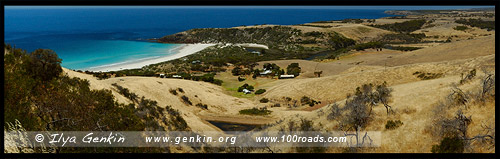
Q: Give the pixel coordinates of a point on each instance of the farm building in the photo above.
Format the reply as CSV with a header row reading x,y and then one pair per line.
x,y
246,91
286,76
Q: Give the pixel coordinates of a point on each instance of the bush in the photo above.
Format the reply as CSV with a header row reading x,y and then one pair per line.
x,y
256,111
428,76
101,76
264,100
391,125
180,90
260,91
461,28
217,82
449,145
240,79
186,100
173,91
125,92
203,106
308,101
468,77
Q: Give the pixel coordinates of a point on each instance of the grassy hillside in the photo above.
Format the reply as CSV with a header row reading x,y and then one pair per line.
x,y
42,98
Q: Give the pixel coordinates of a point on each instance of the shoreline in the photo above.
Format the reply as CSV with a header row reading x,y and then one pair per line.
x,y
183,50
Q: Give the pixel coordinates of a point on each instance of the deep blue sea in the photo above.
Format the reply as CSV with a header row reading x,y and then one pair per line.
x,y
89,37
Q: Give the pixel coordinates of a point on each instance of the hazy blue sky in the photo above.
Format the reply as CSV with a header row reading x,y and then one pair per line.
x,y
268,7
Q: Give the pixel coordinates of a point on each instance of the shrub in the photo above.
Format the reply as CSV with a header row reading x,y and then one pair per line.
x,y
468,77
240,89
203,106
217,82
260,91
264,100
256,111
186,100
101,76
391,125
180,90
173,91
461,28
427,76
308,101
276,105
449,145
125,92
240,79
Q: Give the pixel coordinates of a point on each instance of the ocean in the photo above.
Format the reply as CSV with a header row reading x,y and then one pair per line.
x,y
90,37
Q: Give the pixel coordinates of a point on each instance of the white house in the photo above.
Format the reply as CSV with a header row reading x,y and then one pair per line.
x,y
246,91
286,76
176,76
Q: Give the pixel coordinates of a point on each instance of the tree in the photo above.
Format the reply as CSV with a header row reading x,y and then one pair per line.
x,y
236,71
44,64
382,95
256,72
293,69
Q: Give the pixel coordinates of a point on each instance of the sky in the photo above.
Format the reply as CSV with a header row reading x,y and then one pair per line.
x,y
266,7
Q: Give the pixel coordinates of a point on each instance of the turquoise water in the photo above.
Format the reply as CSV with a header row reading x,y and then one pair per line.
x,y
86,54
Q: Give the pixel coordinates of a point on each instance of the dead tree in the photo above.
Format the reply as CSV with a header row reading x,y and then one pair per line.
x,y
488,86
458,97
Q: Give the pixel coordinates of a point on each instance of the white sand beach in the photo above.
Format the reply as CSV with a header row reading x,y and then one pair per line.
x,y
187,49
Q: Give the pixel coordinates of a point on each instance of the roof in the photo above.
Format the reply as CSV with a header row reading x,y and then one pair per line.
x,y
246,91
266,72
287,76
